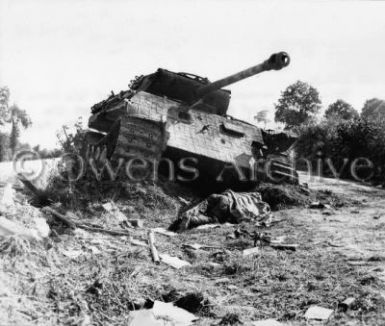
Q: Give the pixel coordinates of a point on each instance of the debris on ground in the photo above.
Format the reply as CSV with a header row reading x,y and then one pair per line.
x,y
112,214
164,232
267,322
208,226
143,317
174,262
347,303
283,246
109,265
319,205
264,239
250,251
328,212
228,207
10,228
138,243
161,314
230,319
195,303
137,223
197,246
318,313
39,198
19,219
172,314
151,243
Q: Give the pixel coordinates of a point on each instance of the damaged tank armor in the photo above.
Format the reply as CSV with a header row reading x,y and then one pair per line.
x,y
183,118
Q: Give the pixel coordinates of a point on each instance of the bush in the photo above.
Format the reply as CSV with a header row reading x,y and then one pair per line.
x,y
342,142
5,152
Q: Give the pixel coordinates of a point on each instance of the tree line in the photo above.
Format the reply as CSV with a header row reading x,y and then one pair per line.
x,y
12,120
341,135
300,104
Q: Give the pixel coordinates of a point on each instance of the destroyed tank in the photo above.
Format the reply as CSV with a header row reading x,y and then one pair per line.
x,y
178,124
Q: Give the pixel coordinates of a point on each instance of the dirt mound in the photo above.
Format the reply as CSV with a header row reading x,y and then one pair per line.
x,y
283,196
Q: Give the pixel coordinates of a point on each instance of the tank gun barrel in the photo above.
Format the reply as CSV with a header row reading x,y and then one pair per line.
x,y
276,61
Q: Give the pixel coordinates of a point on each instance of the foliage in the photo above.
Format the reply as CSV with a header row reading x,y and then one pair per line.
x,y
344,140
341,110
5,153
4,100
374,109
47,153
72,141
299,103
18,118
12,115
261,116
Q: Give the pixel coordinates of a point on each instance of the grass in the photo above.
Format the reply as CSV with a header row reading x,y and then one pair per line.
x,y
110,277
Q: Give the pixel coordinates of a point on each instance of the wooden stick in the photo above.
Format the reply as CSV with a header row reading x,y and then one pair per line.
x,y
60,217
102,230
74,224
292,247
43,198
151,243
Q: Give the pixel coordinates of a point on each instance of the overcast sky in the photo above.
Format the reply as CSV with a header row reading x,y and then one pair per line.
x,y
60,57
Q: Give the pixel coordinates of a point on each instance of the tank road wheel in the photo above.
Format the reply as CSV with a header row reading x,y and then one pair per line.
x,y
141,138
130,138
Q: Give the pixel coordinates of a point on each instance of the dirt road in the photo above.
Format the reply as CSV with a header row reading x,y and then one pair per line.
x,y
356,231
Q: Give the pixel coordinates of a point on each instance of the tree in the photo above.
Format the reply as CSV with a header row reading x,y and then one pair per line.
x,y
299,103
341,110
374,109
18,118
4,104
261,116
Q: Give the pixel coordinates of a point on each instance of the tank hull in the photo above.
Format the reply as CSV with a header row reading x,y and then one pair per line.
x,y
206,150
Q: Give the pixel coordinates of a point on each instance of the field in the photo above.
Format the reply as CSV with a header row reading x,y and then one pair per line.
x,y
77,277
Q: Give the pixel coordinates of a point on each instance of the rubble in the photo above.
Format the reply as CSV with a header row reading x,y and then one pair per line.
x,y
283,246
347,303
318,313
113,214
151,243
319,205
208,226
230,319
250,251
174,262
165,232
138,243
20,219
10,228
136,223
175,316
144,317
266,322
194,302
197,246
